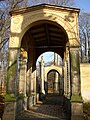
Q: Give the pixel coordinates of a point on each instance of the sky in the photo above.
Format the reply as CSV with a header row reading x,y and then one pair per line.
x,y
84,6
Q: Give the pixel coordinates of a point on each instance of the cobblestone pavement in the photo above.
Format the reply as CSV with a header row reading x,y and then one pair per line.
x,y
51,109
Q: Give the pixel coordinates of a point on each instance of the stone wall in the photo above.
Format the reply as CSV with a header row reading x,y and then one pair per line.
x,y
85,81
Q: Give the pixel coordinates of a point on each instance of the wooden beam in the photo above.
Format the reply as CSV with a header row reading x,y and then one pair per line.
x,y
54,34
47,34
40,35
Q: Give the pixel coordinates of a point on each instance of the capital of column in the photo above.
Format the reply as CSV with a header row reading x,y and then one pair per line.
x,y
74,48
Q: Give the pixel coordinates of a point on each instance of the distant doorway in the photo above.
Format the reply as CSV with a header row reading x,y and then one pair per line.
x,y
54,83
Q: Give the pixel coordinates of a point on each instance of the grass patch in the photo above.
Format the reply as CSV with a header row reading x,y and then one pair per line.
x,y
9,97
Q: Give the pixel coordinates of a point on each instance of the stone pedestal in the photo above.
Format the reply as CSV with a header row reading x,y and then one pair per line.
x,y
37,97
10,111
77,111
31,101
19,106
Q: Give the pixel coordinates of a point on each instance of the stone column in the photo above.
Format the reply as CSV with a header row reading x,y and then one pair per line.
x,y
34,80
65,79
23,76
76,99
30,89
75,71
56,74
28,83
23,73
34,87
12,71
68,74
56,82
42,75
62,78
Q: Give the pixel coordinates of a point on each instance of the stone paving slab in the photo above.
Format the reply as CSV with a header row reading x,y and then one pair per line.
x,y
51,109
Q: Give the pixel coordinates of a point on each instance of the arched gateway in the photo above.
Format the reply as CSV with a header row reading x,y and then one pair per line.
x,y
36,30
54,85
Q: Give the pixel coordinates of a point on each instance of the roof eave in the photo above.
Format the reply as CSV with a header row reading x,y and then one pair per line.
x,y
42,6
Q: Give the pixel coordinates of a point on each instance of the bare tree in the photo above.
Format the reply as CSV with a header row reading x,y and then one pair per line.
x,y
54,2
5,7
84,30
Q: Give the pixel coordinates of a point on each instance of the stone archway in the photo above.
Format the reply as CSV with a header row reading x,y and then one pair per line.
x,y
57,84
52,67
39,29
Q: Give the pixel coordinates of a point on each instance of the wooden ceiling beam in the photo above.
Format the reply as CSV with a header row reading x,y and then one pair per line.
x,y
37,30
47,34
54,29
54,34
40,35
40,39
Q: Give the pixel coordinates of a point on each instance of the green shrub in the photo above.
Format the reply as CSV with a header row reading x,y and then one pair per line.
x,y
86,108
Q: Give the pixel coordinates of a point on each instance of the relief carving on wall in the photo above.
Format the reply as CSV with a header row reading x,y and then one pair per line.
x,y
16,20
69,17
16,24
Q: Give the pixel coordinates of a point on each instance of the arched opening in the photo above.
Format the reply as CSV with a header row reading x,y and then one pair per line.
x,y
45,36
50,60
54,83
42,37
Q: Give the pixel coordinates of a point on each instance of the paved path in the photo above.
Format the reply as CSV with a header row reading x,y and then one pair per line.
x,y
51,109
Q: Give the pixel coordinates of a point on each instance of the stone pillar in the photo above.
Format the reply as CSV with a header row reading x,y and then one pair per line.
x,y
33,85
62,78
76,99
66,99
75,71
68,74
23,76
65,79
56,82
42,75
30,89
28,83
56,74
12,71
34,80
23,73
